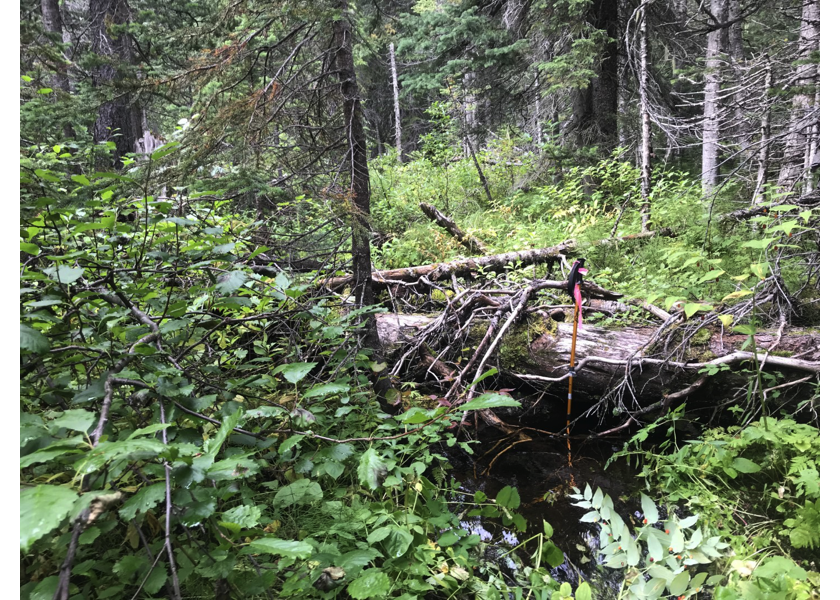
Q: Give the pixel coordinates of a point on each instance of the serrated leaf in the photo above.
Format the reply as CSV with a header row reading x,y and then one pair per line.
x,y
371,583
302,491
290,443
326,389
33,340
77,419
286,548
229,282
246,517
42,509
143,500
760,244
490,400
372,469
294,372
155,580
214,444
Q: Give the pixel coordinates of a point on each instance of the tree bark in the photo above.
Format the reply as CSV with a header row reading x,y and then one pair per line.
x,y
803,115
644,109
494,263
397,123
711,94
764,144
601,355
469,242
357,149
119,119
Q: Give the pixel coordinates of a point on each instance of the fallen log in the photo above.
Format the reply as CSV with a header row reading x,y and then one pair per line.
x,y
539,352
494,263
467,241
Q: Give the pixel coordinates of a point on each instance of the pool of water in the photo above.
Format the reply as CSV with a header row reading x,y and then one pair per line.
x,y
539,470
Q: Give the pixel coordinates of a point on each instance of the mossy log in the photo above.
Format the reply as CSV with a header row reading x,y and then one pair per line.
x,y
539,351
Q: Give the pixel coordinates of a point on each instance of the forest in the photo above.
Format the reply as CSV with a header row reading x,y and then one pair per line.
x,y
492,299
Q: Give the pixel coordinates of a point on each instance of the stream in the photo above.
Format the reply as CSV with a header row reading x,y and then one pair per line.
x,y
539,470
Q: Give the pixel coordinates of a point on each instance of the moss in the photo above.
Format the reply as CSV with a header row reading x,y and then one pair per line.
x,y
441,296
783,353
701,337
513,351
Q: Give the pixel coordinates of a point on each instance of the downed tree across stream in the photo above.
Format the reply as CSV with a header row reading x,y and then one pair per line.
x,y
539,353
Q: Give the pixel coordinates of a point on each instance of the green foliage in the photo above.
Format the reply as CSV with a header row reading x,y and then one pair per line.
x,y
766,474
660,555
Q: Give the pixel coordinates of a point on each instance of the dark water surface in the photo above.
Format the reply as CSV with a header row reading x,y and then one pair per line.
x,y
537,469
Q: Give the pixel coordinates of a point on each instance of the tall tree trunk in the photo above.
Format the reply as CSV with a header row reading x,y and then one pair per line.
x,y
357,148
645,117
51,18
397,124
803,115
605,86
736,52
764,143
711,96
119,119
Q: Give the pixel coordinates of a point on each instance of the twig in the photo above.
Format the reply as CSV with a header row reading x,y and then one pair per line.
x,y
176,587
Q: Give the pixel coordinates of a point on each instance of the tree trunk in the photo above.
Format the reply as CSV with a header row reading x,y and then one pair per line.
x,y
357,148
711,94
601,355
119,119
764,143
644,109
495,263
803,115
51,18
397,123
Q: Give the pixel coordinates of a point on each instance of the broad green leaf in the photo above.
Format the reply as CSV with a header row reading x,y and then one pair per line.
x,y
246,517
290,443
689,521
286,548
553,555
213,445
33,340
42,509
490,400
547,529
734,296
230,282
294,372
143,501
508,497
29,248
484,376
726,320
155,580
372,469
711,275
50,453
372,583
745,465
448,539
583,592
415,415
634,554
677,540
650,511
691,308
654,587
597,498
655,548
326,389
377,535
302,491
591,517
153,428
77,419
232,468
357,558
126,450
760,244
64,274
80,179
164,150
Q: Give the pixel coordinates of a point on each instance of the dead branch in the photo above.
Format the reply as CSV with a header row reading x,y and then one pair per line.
x,y
469,242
